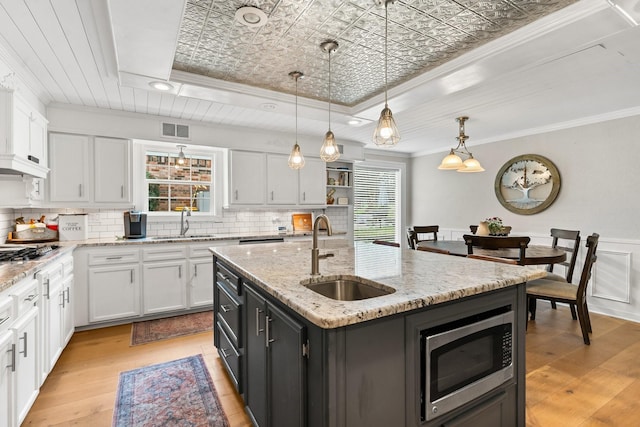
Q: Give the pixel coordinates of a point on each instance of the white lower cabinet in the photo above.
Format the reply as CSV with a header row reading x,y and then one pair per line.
x,y
27,377
7,374
200,284
165,286
114,292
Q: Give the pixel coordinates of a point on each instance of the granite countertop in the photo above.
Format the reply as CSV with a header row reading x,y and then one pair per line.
x,y
13,272
419,278
111,241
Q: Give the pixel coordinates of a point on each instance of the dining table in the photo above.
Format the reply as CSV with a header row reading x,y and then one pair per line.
x,y
535,254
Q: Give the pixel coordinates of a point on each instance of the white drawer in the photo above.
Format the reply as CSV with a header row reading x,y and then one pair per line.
x,y
201,251
6,313
115,256
163,253
25,296
67,265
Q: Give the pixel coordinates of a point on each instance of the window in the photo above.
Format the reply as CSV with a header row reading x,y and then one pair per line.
x,y
171,187
376,204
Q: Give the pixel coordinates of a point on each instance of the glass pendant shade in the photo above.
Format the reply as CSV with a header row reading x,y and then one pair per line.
x,y
329,151
386,133
296,159
451,162
471,165
181,157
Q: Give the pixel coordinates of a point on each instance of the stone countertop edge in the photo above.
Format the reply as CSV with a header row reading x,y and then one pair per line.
x,y
13,272
114,241
420,278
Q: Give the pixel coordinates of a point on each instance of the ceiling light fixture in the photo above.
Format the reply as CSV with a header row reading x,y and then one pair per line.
x,y
454,162
296,159
329,151
164,86
181,157
386,133
251,16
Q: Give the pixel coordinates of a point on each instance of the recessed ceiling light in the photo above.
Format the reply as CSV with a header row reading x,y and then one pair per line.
x,y
251,16
161,85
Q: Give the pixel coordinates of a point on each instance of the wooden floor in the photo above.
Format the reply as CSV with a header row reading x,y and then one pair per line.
x,y
568,383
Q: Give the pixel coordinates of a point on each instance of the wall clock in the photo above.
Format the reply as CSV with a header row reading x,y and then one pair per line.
x,y
527,184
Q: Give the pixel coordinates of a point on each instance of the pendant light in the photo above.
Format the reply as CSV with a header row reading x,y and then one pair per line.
x,y
386,133
329,151
296,159
181,157
454,162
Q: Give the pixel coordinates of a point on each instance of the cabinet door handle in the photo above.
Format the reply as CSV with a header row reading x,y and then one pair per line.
x,y
225,308
38,187
113,257
47,283
132,276
4,319
80,190
13,358
272,195
61,303
267,329
236,194
304,196
224,352
258,330
195,270
179,272
122,191
65,297
24,338
31,297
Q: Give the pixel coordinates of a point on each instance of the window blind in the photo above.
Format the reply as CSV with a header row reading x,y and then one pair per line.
x,y
376,204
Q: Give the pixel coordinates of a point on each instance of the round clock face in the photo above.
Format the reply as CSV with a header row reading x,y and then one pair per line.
x,y
527,184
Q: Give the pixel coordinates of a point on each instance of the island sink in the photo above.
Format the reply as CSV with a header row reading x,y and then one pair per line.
x,y
347,288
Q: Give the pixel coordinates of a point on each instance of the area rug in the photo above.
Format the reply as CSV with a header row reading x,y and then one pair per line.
x,y
171,327
177,393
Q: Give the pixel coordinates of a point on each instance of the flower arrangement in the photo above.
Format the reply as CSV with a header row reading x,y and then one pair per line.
x,y
494,224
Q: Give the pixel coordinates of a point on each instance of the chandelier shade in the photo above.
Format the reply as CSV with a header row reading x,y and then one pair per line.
x,y
453,161
329,151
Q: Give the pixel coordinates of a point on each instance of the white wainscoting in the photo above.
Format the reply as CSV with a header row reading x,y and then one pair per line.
x,y
615,280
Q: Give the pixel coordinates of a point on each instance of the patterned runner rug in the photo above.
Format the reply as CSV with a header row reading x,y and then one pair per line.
x,y
171,327
177,393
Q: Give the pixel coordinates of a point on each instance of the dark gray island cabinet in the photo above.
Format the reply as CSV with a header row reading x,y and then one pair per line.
x,y
290,371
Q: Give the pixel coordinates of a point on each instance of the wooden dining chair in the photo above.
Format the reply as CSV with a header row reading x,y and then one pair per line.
x,y
421,233
493,242
568,241
560,291
386,243
473,228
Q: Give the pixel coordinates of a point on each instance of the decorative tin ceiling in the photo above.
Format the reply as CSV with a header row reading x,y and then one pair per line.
x,y
422,35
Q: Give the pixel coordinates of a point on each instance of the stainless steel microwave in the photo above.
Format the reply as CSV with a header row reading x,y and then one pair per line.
x,y
465,359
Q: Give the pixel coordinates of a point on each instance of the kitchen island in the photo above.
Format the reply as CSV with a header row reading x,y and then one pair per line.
x,y
300,358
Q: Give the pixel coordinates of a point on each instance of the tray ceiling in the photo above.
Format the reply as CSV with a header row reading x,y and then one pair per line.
x,y
422,34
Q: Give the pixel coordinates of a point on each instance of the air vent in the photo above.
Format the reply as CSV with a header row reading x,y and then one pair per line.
x,y
174,130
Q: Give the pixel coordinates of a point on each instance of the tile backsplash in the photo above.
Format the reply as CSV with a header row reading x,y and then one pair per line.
x,y
108,223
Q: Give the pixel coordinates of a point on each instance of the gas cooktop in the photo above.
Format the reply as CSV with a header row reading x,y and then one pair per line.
x,y
24,252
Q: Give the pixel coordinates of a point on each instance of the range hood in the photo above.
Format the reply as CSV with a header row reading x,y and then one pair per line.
x,y
10,164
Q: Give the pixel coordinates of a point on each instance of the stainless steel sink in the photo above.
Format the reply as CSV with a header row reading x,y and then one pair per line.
x,y
347,288
197,236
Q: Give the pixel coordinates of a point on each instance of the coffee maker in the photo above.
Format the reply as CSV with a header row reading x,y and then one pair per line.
x,y
135,225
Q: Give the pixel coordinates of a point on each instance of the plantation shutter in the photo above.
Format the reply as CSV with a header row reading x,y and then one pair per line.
x,y
376,204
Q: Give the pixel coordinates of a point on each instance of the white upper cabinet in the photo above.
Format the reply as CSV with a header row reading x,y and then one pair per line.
x,y
267,179
23,133
312,185
89,171
112,166
70,159
282,181
248,173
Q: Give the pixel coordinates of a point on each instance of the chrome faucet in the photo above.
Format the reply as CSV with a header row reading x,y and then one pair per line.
x,y
315,253
184,228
